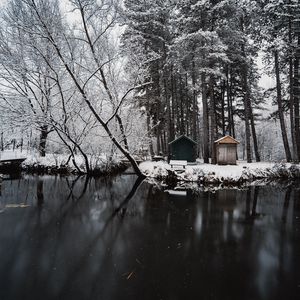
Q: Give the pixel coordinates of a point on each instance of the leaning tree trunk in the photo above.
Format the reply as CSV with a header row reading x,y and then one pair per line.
x,y
122,149
122,129
280,110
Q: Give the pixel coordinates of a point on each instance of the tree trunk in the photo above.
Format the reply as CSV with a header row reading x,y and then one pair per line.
x,y
296,93
43,139
195,104
177,114
2,142
149,134
173,108
205,121
124,151
122,129
254,137
169,114
158,146
228,103
223,88
246,99
186,108
231,110
162,142
212,113
292,116
247,104
230,127
280,110
182,129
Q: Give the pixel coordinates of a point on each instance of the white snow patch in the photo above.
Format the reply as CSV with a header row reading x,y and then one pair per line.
x,y
155,169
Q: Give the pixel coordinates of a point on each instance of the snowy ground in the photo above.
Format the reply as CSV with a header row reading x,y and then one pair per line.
x,y
207,173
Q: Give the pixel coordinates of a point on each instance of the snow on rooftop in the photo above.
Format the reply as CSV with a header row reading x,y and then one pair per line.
x,y
227,139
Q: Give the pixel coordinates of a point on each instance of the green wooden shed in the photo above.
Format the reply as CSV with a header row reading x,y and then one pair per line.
x,y
183,148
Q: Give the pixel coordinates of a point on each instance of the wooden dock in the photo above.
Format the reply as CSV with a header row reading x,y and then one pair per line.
x,y
11,164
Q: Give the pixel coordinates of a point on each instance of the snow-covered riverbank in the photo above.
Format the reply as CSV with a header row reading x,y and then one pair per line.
x,y
161,170
62,163
99,165
207,173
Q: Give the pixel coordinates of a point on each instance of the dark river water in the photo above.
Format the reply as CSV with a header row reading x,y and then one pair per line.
x,y
69,238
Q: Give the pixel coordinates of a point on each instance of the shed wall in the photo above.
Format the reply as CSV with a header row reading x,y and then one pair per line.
x,y
226,154
183,150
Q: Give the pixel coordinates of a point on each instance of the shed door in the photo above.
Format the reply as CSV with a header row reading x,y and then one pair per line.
x,y
231,154
222,155
227,154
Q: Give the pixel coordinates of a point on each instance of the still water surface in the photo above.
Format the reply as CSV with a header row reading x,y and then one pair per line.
x,y
68,238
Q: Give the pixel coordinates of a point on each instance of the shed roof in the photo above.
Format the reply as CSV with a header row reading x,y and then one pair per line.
x,y
185,138
227,139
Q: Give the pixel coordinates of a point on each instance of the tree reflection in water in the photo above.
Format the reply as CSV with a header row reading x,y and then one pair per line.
x,y
121,238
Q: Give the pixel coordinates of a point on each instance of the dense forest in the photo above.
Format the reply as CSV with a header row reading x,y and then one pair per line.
x,y
118,77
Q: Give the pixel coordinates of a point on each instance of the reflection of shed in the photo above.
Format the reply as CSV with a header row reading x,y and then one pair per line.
x,y
226,150
183,148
